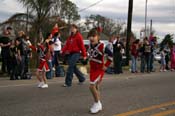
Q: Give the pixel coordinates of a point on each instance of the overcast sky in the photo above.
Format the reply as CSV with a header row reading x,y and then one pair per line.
x,y
162,12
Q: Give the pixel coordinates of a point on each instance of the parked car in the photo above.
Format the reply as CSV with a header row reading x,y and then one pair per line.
x,y
157,57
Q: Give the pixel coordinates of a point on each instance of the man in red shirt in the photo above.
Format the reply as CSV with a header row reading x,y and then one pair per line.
x,y
74,48
134,55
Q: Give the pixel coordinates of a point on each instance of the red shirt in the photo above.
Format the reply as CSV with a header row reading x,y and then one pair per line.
x,y
134,50
74,44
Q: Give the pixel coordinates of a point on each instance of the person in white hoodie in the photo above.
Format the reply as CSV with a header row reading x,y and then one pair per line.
x,y
57,48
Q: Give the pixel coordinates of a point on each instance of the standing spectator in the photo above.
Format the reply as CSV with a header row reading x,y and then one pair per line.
x,y
153,43
172,58
118,49
163,62
57,45
5,52
57,48
13,61
28,56
134,55
22,50
109,47
147,53
74,48
97,67
142,57
20,57
167,58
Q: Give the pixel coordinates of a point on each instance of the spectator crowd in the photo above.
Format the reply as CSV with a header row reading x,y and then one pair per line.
x,y
16,53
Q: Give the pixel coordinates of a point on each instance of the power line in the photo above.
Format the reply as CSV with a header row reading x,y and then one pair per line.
x,y
173,7
94,4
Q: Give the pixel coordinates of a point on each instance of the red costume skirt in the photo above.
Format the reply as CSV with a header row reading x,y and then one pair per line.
x,y
96,72
43,66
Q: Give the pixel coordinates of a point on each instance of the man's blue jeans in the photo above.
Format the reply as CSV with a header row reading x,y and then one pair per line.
x,y
133,64
142,64
147,59
72,68
55,60
152,62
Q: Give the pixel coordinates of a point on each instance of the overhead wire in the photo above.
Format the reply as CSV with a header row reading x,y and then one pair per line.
x,y
94,4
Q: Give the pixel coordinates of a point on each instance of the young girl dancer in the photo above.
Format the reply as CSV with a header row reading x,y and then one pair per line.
x,y
44,53
97,66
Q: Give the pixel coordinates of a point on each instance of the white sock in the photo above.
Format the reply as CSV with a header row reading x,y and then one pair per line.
x,y
99,102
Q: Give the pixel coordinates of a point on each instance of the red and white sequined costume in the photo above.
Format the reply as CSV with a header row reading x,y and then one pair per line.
x,y
43,66
96,57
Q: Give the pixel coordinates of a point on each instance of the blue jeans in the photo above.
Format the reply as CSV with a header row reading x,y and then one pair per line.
x,y
55,60
142,65
72,68
148,59
21,67
134,64
152,62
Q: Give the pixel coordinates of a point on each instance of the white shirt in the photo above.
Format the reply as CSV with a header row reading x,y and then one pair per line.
x,y
29,43
57,44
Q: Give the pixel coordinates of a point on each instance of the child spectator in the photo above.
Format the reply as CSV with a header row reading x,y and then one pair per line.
x,y
163,63
13,61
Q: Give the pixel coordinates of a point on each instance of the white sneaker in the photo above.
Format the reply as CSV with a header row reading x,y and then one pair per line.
x,y
40,84
53,68
96,108
100,105
44,86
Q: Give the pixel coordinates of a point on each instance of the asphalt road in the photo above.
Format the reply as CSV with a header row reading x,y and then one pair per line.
x,y
122,95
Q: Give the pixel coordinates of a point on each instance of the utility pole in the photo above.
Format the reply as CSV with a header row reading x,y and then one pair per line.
x,y
146,18
151,25
129,26
27,20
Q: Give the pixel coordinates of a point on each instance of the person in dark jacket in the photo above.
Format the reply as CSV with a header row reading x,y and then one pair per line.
x,y
118,49
147,53
74,48
142,57
20,57
5,53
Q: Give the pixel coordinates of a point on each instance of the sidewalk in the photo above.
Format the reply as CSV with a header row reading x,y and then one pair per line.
x,y
4,80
